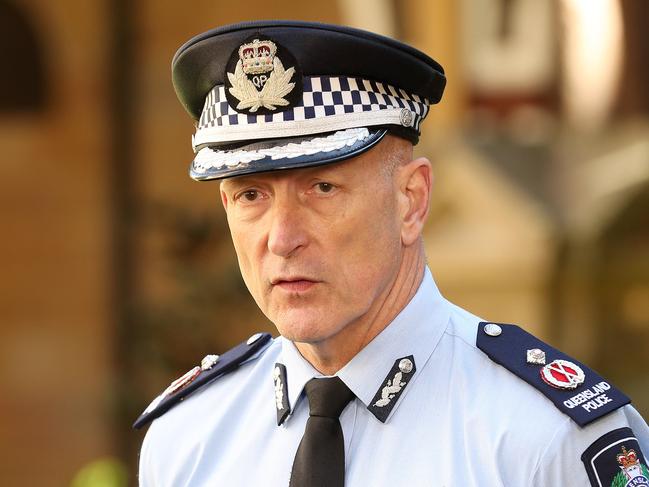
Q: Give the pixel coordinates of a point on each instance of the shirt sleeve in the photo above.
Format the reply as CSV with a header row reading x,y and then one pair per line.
x,y
145,470
562,462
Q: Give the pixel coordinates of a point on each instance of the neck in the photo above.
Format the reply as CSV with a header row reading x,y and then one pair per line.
x,y
331,355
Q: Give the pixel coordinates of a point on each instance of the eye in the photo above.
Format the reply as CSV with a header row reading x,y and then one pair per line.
x,y
251,195
324,187
248,196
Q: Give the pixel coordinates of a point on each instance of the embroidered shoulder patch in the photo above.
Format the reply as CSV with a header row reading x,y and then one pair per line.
x,y
212,367
576,390
615,460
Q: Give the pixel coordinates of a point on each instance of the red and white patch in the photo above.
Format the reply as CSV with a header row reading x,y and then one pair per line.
x,y
174,387
181,382
563,374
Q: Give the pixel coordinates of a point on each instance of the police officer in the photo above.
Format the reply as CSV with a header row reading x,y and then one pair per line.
x,y
375,379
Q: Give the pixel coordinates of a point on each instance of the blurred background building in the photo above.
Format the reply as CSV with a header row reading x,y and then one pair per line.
x,y
118,273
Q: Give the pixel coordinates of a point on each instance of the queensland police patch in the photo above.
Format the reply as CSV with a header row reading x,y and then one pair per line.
x,y
615,460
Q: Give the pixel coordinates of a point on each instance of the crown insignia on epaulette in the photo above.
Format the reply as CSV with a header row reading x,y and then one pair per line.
x,y
257,56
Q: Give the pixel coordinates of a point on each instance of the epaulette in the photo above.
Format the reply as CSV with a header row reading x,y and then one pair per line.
x,y
211,368
575,389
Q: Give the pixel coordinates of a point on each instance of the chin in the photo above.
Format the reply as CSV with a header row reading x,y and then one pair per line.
x,y
302,327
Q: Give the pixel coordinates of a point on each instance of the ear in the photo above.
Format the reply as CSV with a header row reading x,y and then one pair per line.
x,y
415,184
224,197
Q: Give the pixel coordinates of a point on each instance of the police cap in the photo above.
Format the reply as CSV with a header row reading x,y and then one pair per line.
x,y
272,95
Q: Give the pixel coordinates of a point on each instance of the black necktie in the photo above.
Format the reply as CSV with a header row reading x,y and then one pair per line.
x,y
320,458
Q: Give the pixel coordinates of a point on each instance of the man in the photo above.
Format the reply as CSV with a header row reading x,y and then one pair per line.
x,y
376,379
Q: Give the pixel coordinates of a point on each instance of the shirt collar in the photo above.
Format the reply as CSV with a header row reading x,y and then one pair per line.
x,y
415,331
298,371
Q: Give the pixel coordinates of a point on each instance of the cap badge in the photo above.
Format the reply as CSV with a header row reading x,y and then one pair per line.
x,y
563,374
260,83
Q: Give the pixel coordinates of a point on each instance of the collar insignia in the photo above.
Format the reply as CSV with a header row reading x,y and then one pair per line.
x,y
257,80
281,393
393,386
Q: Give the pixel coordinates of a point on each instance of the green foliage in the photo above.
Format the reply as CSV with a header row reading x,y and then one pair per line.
x,y
620,480
105,472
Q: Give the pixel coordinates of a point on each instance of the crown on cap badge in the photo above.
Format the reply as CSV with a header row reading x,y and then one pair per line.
x,y
257,56
259,78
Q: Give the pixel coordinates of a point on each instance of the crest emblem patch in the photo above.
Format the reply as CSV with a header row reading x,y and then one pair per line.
x,y
615,460
262,77
633,472
563,374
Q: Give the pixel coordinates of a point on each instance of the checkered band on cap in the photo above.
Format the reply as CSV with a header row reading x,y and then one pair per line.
x,y
329,103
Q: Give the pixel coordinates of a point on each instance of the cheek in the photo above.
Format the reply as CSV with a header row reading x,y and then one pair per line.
x,y
245,247
372,243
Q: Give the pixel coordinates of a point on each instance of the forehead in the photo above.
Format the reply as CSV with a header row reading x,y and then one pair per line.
x,y
364,167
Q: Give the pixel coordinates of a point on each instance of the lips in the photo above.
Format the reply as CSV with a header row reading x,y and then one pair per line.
x,y
294,284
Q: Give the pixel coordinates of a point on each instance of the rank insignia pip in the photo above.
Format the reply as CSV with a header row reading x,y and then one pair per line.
x,y
615,460
536,356
393,386
262,77
209,361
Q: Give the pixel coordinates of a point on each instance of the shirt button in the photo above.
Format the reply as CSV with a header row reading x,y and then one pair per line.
x,y
405,366
254,338
492,329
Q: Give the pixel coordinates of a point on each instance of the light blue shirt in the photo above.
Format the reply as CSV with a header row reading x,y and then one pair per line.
x,y
462,420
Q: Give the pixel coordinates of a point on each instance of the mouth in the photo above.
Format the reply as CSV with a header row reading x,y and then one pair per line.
x,y
294,284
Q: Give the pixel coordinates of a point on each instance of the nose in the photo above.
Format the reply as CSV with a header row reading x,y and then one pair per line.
x,y
287,233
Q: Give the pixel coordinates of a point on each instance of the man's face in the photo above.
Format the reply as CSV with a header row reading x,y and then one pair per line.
x,y
317,247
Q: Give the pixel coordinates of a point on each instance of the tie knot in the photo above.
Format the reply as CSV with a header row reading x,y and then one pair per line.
x,y
327,397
